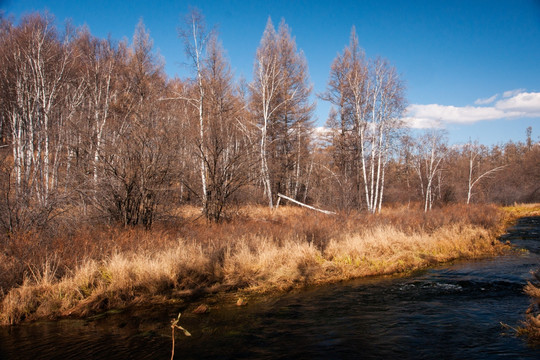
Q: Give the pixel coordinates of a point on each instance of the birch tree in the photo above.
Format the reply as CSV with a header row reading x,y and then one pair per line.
x,y
280,103
388,105
264,91
195,38
369,96
429,154
477,168
41,93
100,65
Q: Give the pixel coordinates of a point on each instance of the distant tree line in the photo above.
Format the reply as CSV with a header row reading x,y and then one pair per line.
x,y
94,128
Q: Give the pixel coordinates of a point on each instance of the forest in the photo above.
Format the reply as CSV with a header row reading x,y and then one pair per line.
x,y
97,141
96,127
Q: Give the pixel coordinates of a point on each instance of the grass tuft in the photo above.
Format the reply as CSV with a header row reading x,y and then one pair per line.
x,y
531,326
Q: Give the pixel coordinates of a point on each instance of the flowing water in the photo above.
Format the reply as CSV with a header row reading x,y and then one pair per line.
x,y
449,312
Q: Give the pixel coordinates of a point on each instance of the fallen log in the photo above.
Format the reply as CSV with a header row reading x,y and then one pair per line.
x,y
305,205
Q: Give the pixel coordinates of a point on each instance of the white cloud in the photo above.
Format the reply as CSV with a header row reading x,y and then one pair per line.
x,y
526,103
511,93
516,104
486,101
322,131
453,114
321,134
422,123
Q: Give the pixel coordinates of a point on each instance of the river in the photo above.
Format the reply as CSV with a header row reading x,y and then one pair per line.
x,y
449,312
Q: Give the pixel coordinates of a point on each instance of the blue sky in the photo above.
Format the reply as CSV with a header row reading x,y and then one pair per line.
x,y
471,67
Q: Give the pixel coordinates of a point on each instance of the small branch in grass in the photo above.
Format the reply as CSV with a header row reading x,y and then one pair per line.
x,y
506,326
174,325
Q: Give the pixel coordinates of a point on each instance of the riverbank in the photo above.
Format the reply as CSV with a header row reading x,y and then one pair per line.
x,y
94,270
531,326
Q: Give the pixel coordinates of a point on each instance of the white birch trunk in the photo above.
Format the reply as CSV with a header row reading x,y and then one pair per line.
x,y
201,112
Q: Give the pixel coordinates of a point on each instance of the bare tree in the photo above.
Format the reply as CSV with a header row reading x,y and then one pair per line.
x,y
430,152
370,102
477,170
195,38
341,123
528,131
293,125
387,106
280,103
138,151
264,90
100,65
226,147
41,93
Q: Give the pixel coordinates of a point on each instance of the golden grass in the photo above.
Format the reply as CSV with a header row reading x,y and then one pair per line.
x,y
260,251
386,250
519,210
532,325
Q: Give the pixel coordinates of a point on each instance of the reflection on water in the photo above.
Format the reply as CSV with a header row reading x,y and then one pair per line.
x,y
452,312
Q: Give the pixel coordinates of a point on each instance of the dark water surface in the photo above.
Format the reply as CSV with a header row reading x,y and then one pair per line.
x,y
450,312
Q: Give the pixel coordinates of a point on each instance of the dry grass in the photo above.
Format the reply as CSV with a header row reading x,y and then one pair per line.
x,y
520,210
532,325
92,270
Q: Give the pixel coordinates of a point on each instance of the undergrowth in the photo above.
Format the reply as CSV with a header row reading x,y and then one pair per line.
x,y
92,269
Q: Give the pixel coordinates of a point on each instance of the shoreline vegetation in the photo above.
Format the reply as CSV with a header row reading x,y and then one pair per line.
x,y
259,251
531,325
